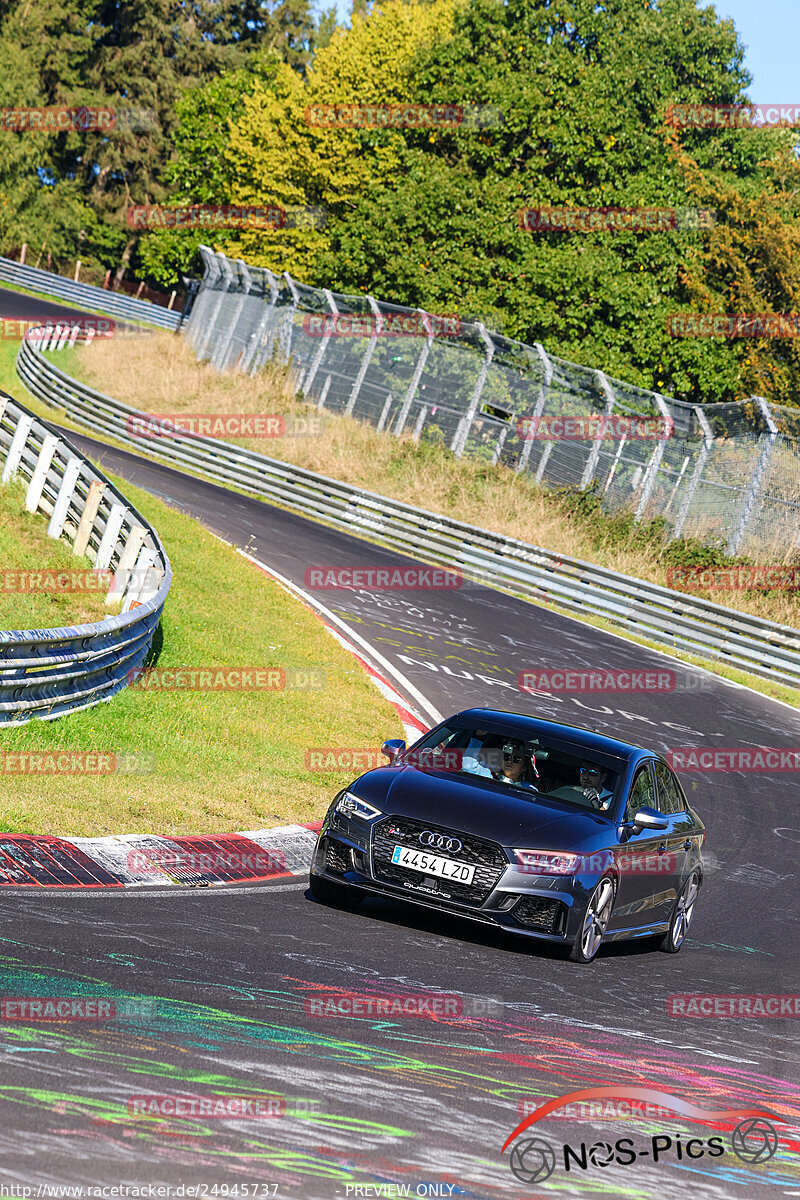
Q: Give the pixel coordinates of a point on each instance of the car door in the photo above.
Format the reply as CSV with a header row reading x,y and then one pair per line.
x,y
678,844
644,895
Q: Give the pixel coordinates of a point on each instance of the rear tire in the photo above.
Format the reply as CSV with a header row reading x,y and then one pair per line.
x,y
671,941
337,894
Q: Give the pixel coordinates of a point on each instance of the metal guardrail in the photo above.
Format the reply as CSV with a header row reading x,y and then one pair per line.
x,y
45,673
85,295
664,616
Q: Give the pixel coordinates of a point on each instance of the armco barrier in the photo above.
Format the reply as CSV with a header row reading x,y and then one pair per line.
x,y
85,295
664,616
47,672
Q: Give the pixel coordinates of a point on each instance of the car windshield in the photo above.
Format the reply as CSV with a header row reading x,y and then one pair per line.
x,y
532,765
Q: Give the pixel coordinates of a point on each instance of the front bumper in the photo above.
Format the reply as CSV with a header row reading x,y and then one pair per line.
x,y
548,908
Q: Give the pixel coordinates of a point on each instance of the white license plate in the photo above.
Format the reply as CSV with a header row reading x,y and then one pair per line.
x,y
432,864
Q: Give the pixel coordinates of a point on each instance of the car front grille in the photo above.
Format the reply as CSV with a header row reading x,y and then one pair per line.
x,y
539,912
487,858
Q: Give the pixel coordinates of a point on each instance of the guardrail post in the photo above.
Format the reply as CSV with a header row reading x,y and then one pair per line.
x,y
64,497
127,559
594,453
370,350
655,461
108,542
322,347
465,424
287,328
767,442
16,448
411,390
36,485
140,579
699,467
88,516
538,409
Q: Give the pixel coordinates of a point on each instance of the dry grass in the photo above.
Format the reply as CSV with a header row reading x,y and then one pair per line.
x,y
160,375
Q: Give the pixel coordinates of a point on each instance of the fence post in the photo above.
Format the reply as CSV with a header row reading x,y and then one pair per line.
x,y
655,461
465,424
253,358
323,344
193,322
210,330
287,328
767,443
219,355
411,390
594,454
699,467
540,403
370,350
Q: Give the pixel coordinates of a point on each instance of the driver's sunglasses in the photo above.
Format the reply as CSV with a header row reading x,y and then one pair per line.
x,y
516,758
590,771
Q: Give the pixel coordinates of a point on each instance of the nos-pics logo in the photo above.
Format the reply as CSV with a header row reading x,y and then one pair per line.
x,y
534,1159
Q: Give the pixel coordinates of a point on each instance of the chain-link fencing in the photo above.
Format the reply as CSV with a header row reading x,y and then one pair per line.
x,y
728,474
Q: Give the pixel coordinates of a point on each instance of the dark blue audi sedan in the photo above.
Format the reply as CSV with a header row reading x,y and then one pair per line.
x,y
544,830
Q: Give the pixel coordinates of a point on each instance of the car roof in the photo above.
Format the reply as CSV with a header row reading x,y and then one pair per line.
x,y
587,739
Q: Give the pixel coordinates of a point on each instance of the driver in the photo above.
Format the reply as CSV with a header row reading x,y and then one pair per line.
x,y
591,781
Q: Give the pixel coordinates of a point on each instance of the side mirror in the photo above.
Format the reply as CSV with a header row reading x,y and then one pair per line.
x,y
648,818
393,748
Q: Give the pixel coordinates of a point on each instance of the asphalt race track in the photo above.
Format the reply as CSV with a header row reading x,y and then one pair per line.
x,y
224,981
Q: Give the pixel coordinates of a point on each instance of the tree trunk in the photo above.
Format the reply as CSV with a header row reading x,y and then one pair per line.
x,y
123,265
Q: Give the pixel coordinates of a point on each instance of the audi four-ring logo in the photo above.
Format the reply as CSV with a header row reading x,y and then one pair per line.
x,y
438,841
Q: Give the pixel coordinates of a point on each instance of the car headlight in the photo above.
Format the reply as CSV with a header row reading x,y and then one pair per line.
x,y
353,806
547,862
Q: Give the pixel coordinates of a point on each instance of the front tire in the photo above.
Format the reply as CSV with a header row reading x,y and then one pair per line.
x,y
671,941
595,922
337,894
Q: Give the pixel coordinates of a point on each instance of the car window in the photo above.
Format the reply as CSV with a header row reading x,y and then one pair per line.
x,y
641,793
670,800
531,764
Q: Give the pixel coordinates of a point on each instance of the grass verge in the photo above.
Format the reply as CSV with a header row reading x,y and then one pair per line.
x,y
220,760
25,547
